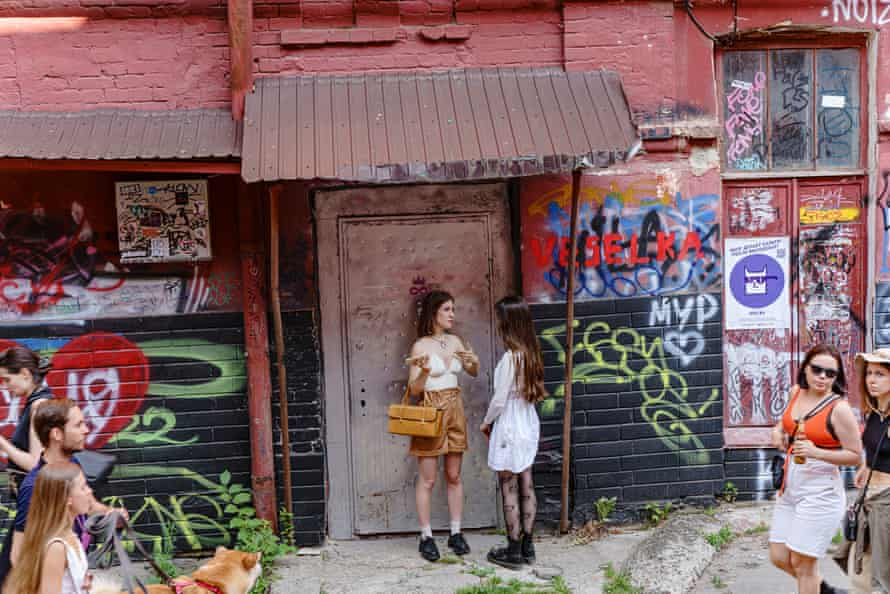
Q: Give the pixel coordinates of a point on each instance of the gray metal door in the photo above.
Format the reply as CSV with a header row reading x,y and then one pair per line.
x,y
385,264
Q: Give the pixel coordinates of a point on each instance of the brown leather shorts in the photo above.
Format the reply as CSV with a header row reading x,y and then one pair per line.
x,y
454,425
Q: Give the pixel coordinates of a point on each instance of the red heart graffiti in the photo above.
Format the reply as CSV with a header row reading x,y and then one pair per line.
x,y
107,375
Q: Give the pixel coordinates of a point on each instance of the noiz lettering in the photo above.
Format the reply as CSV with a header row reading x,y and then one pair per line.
x,y
863,11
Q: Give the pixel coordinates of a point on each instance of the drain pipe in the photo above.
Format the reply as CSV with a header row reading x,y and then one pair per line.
x,y
278,329
240,21
564,523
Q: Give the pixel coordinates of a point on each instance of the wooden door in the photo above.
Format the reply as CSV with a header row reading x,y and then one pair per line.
x,y
387,257
832,269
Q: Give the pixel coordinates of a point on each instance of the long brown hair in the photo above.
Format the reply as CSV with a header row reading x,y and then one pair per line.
x,y
518,333
870,402
54,485
429,307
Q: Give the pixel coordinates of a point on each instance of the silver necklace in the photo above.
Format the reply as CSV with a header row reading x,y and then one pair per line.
x,y
443,342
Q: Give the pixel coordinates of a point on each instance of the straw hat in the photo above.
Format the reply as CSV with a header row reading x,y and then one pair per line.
x,y
877,356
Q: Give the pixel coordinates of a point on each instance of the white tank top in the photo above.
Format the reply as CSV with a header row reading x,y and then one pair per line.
x,y
440,377
76,571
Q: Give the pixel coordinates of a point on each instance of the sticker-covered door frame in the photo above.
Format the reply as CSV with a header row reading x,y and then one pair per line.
x,y
825,220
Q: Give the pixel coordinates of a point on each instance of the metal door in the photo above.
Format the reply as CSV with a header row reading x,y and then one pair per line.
x,y
385,263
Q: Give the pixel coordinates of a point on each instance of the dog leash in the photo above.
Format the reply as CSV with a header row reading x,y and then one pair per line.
x,y
109,541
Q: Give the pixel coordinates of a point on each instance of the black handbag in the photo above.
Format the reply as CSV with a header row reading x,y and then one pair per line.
x,y
777,470
96,465
851,519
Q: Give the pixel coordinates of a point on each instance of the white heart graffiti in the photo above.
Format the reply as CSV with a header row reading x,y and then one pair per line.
x,y
684,345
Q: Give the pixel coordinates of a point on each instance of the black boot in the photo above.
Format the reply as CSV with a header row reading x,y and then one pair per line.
x,y
509,556
528,549
428,549
824,588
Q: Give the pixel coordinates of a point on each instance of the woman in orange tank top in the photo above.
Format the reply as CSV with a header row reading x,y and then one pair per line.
x,y
820,433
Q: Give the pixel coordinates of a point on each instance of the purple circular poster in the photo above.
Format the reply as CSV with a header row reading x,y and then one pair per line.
x,y
756,281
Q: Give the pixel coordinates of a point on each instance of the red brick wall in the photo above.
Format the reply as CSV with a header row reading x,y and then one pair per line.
x,y
73,63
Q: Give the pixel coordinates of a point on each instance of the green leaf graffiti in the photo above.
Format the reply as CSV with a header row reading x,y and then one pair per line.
x,y
139,431
624,356
227,358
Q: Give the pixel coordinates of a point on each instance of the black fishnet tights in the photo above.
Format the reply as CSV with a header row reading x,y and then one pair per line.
x,y
519,502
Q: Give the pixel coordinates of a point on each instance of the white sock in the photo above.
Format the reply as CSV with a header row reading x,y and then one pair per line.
x,y
455,527
426,531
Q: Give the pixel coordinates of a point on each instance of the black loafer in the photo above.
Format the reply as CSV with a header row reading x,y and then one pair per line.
x,y
458,544
428,549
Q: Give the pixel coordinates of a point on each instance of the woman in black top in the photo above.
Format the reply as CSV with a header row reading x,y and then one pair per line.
x,y
869,557
21,373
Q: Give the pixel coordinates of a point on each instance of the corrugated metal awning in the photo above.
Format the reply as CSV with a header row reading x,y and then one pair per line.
x,y
120,134
451,125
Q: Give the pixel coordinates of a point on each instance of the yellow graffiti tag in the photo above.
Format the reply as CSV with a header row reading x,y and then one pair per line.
x,y
637,193
624,356
816,216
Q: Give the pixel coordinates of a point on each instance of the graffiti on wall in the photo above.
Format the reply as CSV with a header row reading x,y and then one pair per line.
x,y
874,12
128,408
744,122
625,357
752,210
634,239
758,375
51,268
686,318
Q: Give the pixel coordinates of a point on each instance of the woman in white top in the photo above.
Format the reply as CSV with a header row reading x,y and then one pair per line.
x,y
58,563
436,358
513,428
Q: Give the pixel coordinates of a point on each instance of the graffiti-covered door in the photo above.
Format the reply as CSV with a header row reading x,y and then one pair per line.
x,y
825,223
396,246
832,260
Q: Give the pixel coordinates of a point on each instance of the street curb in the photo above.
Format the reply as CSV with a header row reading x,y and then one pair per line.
x,y
671,559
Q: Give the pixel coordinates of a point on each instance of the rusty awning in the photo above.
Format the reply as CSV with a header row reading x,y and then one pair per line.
x,y
440,126
120,134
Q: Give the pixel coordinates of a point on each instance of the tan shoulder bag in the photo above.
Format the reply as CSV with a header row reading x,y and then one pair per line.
x,y
414,420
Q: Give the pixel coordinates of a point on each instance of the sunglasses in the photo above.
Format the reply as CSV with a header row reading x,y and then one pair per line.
x,y
817,370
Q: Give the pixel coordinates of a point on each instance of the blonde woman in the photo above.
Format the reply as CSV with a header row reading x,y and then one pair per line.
x,y
53,560
869,560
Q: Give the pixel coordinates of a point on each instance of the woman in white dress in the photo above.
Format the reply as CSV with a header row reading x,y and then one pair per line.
x,y
59,564
513,428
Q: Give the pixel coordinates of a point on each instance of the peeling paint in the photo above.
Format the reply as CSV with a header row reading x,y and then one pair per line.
x,y
702,160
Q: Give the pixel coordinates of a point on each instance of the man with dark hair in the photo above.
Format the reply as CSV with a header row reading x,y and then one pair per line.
x,y
62,430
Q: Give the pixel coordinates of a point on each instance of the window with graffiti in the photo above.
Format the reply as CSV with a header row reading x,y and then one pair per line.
x,y
791,109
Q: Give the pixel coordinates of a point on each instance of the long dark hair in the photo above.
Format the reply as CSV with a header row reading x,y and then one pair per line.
x,y
518,333
16,358
429,307
840,382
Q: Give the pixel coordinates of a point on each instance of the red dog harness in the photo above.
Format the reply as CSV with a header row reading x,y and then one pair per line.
x,y
179,586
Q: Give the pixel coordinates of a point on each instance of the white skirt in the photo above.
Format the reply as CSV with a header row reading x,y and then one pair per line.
x,y
514,438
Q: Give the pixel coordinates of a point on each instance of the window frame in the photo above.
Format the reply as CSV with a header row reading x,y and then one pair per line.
x,y
855,42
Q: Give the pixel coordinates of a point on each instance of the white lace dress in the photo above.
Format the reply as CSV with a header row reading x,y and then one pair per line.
x,y
76,571
514,437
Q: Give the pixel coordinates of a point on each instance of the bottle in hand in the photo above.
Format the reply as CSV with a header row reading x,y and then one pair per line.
x,y
798,459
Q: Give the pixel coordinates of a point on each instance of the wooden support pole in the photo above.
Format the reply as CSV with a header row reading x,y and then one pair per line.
x,y
564,523
278,328
256,342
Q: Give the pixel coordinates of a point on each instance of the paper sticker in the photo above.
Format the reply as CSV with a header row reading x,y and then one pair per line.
x,y
836,101
741,84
